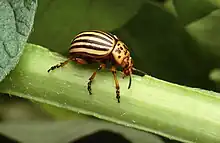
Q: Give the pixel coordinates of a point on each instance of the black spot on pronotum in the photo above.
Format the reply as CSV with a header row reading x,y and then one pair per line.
x,y
118,50
124,45
121,48
119,57
126,52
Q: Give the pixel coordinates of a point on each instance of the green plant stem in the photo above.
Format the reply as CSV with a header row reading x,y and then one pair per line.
x,y
170,110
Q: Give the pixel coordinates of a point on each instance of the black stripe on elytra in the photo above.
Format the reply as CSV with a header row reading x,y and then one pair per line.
x,y
88,47
97,36
83,54
92,42
109,35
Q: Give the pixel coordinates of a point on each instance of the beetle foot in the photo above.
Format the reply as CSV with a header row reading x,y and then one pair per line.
x,y
52,68
89,87
118,95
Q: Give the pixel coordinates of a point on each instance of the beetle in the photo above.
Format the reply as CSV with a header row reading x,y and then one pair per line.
x,y
96,46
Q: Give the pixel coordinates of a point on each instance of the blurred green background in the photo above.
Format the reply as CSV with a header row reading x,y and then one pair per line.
x,y
173,40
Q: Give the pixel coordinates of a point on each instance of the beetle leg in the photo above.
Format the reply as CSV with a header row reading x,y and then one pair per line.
x,y
59,65
80,61
113,69
102,66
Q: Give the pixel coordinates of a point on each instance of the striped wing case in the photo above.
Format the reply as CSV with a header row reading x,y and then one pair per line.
x,y
93,44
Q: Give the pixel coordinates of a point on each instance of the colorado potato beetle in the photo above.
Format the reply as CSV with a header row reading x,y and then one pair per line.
x,y
103,48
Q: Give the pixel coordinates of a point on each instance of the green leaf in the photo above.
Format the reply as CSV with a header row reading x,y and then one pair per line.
x,y
170,110
16,21
205,31
201,19
59,21
192,10
67,131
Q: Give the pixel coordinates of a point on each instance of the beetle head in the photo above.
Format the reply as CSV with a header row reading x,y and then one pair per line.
x,y
127,65
128,68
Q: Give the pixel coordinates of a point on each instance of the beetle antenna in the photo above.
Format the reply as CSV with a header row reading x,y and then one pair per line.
x,y
139,71
129,82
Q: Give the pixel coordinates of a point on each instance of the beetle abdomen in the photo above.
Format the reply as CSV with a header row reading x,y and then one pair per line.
x,y
95,44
